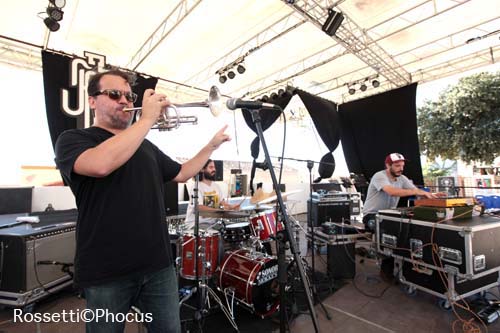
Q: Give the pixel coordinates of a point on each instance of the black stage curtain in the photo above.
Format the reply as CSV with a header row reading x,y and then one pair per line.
x,y
327,122
268,117
56,76
376,126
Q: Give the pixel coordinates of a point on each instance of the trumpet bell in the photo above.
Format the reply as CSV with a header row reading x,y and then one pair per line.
x,y
214,101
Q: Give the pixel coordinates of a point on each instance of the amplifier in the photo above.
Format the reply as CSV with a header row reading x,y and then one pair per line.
x,y
329,211
34,257
341,262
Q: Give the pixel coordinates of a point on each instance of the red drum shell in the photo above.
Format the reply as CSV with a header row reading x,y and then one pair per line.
x,y
211,254
254,279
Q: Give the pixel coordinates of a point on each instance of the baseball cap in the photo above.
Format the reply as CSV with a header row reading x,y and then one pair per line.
x,y
394,157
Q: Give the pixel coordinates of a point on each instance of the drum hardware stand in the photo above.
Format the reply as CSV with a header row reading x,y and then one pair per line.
x,y
203,289
283,237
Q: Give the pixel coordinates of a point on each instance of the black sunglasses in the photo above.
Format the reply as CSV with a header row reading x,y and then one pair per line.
x,y
117,94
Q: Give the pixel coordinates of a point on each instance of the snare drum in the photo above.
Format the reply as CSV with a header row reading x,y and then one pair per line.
x,y
208,254
237,232
254,279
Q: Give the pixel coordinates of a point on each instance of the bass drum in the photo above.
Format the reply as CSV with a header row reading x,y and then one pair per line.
x,y
254,278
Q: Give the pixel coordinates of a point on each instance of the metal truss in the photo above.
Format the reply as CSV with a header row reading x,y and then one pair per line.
x,y
288,73
450,67
283,75
446,43
20,55
176,16
274,31
357,41
478,59
407,16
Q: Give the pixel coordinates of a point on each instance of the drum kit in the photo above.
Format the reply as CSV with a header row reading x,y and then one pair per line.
x,y
232,257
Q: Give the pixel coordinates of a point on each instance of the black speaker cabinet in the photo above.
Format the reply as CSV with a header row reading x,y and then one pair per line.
x,y
15,200
330,211
446,184
29,253
171,195
341,261
219,170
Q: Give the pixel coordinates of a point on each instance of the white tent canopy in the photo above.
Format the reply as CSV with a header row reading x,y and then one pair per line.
x,y
280,42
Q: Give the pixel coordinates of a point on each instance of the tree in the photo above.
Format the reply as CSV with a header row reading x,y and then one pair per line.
x,y
465,121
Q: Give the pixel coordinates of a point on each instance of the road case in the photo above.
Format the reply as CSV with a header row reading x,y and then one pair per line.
x,y
466,259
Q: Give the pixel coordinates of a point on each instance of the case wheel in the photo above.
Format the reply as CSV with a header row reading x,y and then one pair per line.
x,y
29,308
444,304
409,290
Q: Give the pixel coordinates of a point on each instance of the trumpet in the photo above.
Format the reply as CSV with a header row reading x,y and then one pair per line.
x,y
170,118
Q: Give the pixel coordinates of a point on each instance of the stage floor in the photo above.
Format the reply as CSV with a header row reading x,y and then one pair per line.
x,y
367,303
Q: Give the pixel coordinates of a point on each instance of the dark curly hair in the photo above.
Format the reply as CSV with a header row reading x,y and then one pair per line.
x,y
94,85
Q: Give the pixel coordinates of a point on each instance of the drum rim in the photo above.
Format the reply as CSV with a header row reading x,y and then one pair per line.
x,y
237,225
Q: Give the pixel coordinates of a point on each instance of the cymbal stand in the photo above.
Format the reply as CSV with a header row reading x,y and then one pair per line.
x,y
203,289
283,238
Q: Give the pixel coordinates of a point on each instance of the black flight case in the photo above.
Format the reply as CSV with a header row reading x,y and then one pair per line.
x,y
466,258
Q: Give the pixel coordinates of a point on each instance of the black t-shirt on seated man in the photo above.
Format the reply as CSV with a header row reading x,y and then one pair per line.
x,y
121,227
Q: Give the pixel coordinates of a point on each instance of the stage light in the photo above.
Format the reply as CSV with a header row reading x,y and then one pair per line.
x,y
332,23
231,75
363,87
58,3
264,98
51,24
274,95
55,13
241,69
352,91
375,83
222,79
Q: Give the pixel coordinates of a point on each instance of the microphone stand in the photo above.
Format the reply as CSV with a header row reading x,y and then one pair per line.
x,y
282,238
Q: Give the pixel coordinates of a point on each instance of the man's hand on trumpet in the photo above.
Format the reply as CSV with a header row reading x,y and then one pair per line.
x,y
153,105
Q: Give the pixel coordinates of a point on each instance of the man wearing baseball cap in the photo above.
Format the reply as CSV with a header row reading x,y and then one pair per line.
x,y
386,187
384,191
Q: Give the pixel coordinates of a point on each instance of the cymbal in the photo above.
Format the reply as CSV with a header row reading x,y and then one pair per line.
x,y
257,208
275,197
224,214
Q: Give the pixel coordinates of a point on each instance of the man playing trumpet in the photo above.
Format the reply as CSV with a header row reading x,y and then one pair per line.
x,y
122,248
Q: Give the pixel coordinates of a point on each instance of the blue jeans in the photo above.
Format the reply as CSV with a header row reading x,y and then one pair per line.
x,y
155,294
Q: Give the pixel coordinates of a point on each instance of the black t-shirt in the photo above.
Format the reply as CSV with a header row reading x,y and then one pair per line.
x,y
121,228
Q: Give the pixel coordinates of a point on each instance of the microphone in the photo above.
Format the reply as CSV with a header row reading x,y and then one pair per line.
x,y
238,103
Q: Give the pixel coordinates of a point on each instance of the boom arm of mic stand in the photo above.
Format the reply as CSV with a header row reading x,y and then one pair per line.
x,y
289,236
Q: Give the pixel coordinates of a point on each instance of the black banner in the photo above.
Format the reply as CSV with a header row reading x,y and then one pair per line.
x,y
65,80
